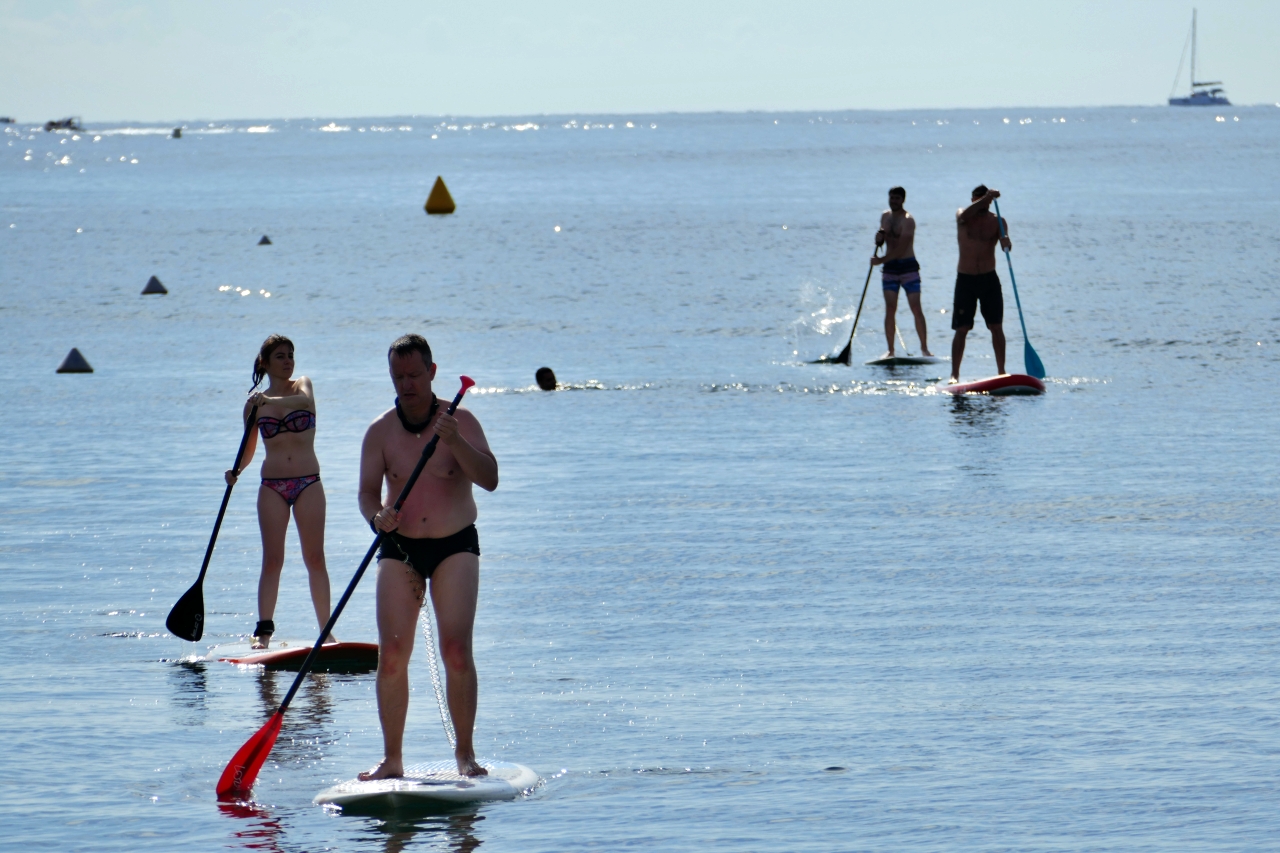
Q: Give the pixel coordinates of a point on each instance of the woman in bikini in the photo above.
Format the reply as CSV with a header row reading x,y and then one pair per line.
x,y
290,480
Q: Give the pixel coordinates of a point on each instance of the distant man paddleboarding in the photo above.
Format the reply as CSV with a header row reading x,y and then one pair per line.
x,y
978,231
898,231
432,540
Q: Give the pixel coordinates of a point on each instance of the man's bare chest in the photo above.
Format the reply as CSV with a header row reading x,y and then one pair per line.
x,y
403,453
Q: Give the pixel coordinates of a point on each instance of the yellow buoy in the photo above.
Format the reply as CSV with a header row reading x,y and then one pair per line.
x,y
439,201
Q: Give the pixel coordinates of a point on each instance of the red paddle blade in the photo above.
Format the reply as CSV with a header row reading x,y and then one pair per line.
x,y
467,382
242,771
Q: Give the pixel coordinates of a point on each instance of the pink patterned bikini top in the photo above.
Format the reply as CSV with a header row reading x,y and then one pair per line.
x,y
299,420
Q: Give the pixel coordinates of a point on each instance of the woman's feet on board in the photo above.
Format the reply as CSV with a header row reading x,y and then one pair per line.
x,y
384,769
262,634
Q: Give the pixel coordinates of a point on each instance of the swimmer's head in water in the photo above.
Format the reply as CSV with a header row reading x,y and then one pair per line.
x,y
979,191
545,378
262,363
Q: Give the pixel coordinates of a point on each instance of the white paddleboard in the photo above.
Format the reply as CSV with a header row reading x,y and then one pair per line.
x,y
904,360
433,782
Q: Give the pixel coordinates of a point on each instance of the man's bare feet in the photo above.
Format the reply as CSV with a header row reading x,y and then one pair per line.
x,y
468,766
384,769
926,352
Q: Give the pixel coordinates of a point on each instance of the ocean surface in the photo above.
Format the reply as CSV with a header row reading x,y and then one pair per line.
x,y
730,600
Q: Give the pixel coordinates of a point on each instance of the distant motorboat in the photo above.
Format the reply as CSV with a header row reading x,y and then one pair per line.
x,y
7,120
1207,94
69,123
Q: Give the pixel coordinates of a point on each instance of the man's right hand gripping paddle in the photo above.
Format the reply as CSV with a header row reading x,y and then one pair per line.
x,y
242,771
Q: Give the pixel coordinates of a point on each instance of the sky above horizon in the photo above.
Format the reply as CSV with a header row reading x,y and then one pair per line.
x,y
175,61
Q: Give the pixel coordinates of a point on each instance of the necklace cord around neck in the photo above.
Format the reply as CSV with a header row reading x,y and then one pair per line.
x,y
417,429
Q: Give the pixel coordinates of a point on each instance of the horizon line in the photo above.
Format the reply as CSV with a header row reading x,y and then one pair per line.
x,y
558,115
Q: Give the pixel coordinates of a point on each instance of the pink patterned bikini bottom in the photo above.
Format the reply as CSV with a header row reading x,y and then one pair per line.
x,y
290,487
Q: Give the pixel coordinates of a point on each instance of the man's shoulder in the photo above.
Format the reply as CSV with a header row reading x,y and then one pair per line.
x,y
381,422
462,413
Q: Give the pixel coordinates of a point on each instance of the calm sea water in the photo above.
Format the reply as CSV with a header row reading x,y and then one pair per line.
x,y
730,600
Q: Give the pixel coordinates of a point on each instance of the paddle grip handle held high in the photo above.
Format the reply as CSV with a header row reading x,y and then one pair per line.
x,y
427,451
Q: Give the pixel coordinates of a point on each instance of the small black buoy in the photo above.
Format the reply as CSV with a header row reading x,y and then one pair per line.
x,y
265,241
835,768
545,378
439,201
177,133
153,286
74,363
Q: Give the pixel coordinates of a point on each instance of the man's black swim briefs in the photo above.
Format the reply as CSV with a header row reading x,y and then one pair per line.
x,y
423,555
970,289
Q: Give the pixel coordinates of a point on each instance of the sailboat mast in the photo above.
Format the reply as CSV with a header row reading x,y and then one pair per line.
x,y
1193,48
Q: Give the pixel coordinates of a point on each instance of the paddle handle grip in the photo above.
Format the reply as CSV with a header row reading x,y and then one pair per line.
x,y
467,382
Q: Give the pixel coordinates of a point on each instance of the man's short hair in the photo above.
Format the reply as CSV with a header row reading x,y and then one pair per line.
x,y
406,344
898,191
979,190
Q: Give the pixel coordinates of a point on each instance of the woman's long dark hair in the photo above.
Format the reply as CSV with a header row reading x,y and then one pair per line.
x,y
264,355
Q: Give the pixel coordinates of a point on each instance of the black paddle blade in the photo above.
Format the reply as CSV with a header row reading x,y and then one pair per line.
x,y
842,358
186,619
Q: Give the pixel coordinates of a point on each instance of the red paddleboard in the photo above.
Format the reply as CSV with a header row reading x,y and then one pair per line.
x,y
332,657
998,386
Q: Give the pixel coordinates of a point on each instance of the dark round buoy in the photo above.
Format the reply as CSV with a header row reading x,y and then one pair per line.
x,y
153,286
177,133
74,363
265,241
545,378
440,201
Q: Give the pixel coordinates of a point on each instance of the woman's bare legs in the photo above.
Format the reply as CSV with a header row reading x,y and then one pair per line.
x,y
273,520
308,516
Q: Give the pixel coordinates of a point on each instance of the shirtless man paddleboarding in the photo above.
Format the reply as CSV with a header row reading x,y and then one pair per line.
x,y
898,230
431,542
978,231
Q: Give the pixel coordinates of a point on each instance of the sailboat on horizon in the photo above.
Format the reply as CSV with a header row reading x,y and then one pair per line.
x,y
1208,94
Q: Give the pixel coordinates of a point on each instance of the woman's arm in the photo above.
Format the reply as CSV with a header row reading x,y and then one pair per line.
x,y
304,399
250,446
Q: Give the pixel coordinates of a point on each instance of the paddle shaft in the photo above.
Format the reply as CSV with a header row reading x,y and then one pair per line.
x,y
368,557
1012,280
226,496
870,269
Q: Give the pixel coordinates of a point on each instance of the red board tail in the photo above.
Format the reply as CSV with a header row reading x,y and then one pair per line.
x,y
242,771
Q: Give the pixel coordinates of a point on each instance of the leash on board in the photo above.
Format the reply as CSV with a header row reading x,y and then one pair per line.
x,y
434,668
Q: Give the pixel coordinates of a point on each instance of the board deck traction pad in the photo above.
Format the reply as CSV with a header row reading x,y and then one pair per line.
x,y
437,781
